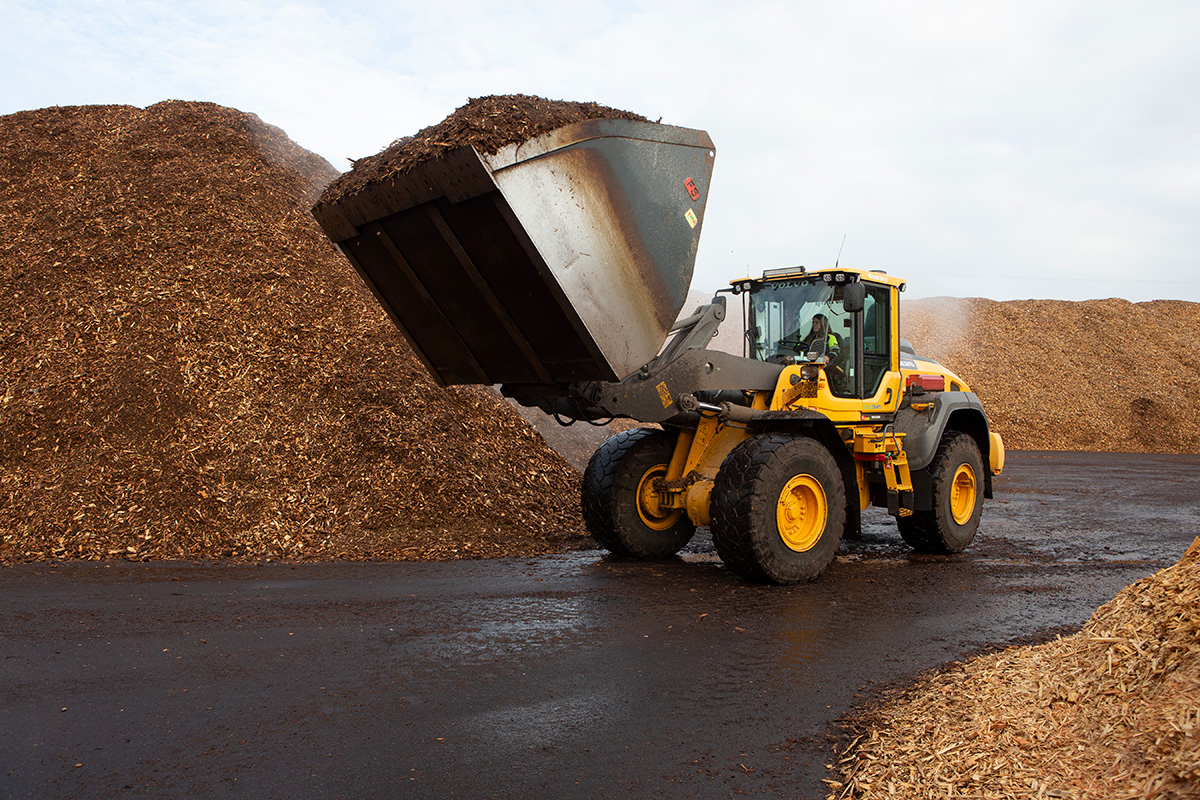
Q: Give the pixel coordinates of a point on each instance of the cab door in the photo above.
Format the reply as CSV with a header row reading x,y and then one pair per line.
x,y
880,380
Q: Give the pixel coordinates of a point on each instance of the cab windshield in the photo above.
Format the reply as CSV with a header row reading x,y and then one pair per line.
x,y
802,320
797,320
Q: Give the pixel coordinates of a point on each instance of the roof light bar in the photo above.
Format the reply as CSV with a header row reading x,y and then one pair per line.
x,y
778,273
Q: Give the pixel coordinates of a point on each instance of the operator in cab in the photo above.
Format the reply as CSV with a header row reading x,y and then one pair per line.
x,y
819,338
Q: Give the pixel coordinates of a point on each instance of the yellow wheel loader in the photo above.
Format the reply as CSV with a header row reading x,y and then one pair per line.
x,y
557,268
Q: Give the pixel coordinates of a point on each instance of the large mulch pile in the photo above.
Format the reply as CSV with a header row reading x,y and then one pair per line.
x,y
486,123
1110,712
188,368
1097,375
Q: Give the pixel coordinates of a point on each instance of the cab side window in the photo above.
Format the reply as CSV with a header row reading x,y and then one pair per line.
x,y
876,338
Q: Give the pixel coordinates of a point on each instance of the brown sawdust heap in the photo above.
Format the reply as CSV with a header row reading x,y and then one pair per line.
x,y
1110,712
486,123
1097,375
188,368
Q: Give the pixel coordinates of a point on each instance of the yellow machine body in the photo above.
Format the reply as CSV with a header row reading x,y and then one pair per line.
x,y
878,449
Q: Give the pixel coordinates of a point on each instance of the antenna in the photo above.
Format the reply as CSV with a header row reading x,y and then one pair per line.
x,y
838,260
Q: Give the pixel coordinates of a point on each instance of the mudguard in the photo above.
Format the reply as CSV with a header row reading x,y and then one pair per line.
x,y
924,427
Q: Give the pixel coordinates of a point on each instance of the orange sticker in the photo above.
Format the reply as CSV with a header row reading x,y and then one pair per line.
x,y
692,191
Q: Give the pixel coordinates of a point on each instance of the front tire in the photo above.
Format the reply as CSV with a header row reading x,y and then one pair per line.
x,y
778,509
958,480
616,496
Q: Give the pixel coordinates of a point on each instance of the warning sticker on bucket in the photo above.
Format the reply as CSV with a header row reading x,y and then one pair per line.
x,y
691,217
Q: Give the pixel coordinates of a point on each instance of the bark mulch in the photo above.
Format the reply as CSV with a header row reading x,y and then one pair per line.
x,y
1110,712
486,123
1094,375
189,369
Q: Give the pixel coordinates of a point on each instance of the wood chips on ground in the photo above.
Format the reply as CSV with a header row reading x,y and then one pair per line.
x,y
189,369
1112,712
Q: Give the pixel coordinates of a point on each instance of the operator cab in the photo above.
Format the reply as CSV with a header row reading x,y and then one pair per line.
x,y
796,317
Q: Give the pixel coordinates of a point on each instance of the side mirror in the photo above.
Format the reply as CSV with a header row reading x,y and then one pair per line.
x,y
854,297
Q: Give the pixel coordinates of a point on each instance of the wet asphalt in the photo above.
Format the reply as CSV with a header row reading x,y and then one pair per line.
x,y
569,676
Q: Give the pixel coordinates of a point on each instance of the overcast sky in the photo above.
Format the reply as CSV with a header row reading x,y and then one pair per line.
x,y
1008,150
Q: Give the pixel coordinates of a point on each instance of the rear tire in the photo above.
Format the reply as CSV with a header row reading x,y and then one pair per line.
x,y
957,479
618,473
778,509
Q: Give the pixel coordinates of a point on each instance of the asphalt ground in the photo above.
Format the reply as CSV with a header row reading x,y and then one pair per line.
x,y
570,676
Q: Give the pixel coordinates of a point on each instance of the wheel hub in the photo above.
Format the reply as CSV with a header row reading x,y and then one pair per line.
x,y
801,512
962,494
654,513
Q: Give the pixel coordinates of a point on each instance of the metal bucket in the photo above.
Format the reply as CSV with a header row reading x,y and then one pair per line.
x,y
564,258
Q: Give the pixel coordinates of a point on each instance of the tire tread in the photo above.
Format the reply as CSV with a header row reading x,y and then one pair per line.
x,y
611,516
739,511
929,531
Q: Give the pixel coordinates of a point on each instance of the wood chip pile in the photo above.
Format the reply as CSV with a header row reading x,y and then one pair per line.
x,y
1097,375
189,369
486,123
1110,712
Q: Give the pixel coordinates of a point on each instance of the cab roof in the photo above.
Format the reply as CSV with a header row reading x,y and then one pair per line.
x,y
847,275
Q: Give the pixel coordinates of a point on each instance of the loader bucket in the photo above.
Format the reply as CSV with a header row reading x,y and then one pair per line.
x,y
559,259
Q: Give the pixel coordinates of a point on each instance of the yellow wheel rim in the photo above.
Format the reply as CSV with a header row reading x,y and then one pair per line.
x,y
801,513
962,494
654,515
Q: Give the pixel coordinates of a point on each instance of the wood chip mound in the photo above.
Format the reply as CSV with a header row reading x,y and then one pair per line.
x,y
188,369
1110,712
1097,375
485,123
